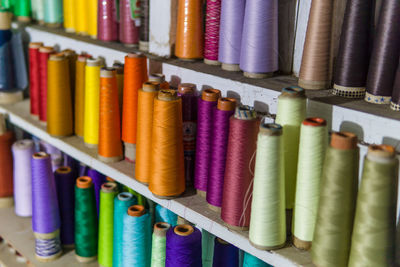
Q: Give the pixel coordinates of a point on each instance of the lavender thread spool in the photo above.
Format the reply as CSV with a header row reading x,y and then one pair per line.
x,y
45,211
107,27
215,185
183,247
22,153
206,107
65,183
129,24
230,34
259,49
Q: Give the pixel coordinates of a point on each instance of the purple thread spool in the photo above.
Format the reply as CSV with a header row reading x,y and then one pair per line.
x,y
65,183
129,30
98,179
83,170
230,34
225,254
187,91
225,109
45,211
55,154
183,248
259,50
22,153
107,26
206,107
211,35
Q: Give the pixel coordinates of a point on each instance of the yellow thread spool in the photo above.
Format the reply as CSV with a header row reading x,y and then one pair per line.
x,y
92,105
81,16
80,94
92,17
69,15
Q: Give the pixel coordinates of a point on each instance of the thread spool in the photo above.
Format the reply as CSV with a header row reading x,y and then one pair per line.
x,y
313,142
206,107
268,222
230,34
53,13
85,221
145,104
110,147
136,240
91,14
59,99
38,11
189,32
44,54
207,248
119,69
71,57
225,109
98,179
6,176
82,17
385,55
69,15
65,184
291,112
135,74
22,153
353,58
92,102
22,10
183,246
129,22
395,102
379,183
158,248
45,210
167,178
252,261
236,198
121,204
337,204
165,215
225,254
259,49
144,30
187,91
34,77
314,70
211,35
106,223
107,27
55,154
80,94
160,78
7,5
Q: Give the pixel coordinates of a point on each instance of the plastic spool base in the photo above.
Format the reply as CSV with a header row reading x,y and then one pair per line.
x,y
6,202
110,159
90,145
236,228
201,193
266,247
188,59
85,259
144,46
48,259
300,244
41,22
35,117
70,30
43,123
131,45
314,85
212,62
69,246
53,25
166,197
257,75
11,98
24,19
130,152
230,67
214,208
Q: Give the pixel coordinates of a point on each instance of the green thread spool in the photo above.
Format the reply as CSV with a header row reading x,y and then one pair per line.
x,y
268,222
22,10
106,223
85,220
374,231
313,143
159,244
337,203
53,13
7,4
207,248
291,113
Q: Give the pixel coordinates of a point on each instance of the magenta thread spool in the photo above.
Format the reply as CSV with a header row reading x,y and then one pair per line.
x,y
211,35
129,23
107,26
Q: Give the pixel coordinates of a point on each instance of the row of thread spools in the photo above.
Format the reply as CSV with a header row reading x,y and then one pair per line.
x,y
99,217
238,36
221,159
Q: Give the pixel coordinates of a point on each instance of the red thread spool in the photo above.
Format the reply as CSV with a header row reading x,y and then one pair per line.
x,y
6,165
34,77
44,54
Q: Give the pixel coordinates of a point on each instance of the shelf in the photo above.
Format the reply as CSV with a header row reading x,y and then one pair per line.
x,y
372,123
191,207
17,231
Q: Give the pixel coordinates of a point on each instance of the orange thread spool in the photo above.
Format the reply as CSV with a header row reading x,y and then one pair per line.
x,y
119,68
110,147
144,129
135,74
189,33
160,78
6,165
167,178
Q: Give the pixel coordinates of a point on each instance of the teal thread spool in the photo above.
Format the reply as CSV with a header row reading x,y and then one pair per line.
x,y
53,13
251,261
